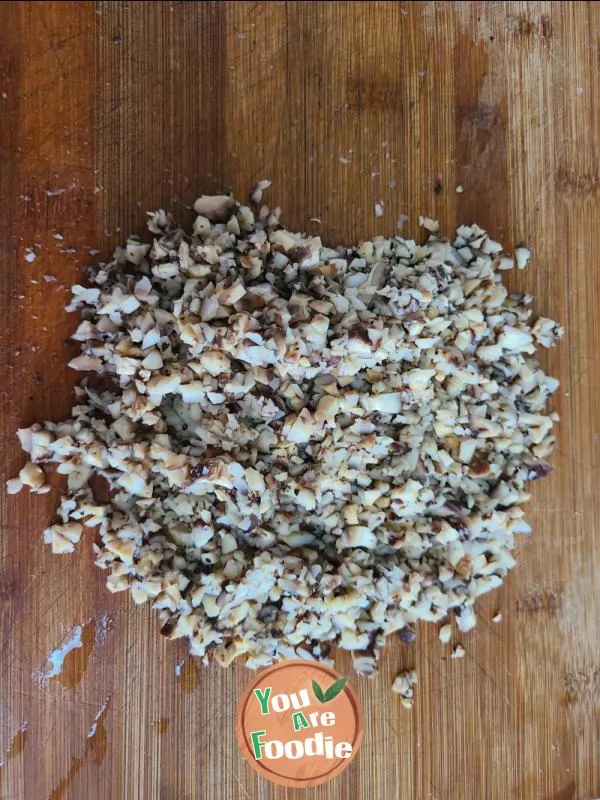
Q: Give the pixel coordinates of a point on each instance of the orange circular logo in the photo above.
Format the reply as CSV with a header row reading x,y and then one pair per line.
x,y
299,723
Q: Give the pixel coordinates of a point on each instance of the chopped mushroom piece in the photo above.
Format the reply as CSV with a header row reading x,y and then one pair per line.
x,y
217,208
458,652
431,225
13,486
403,685
302,446
522,256
445,633
466,619
31,475
63,538
257,192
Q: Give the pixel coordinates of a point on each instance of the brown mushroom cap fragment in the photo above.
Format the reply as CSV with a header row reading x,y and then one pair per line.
x,y
216,208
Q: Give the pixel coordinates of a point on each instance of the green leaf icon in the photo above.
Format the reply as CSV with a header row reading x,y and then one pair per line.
x,y
318,692
335,689
332,692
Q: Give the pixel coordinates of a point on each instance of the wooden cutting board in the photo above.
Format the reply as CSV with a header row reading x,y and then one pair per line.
x,y
110,109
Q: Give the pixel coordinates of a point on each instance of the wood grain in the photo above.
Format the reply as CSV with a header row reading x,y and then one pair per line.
x,y
110,109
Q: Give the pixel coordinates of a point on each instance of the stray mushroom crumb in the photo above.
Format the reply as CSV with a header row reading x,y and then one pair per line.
x,y
458,652
430,225
497,617
445,633
403,685
522,256
302,446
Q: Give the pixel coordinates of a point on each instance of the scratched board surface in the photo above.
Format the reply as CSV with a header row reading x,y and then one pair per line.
x,y
110,109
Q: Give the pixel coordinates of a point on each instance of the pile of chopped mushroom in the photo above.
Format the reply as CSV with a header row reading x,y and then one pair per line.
x,y
303,446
